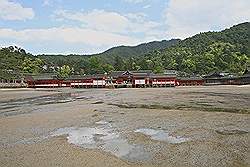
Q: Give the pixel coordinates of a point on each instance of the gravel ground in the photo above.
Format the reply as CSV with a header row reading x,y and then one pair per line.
x,y
213,121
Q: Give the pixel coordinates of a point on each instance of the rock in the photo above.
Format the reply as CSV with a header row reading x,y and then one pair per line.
x,y
95,115
231,131
98,102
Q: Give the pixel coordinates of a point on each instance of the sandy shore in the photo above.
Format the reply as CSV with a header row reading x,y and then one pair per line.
x,y
183,126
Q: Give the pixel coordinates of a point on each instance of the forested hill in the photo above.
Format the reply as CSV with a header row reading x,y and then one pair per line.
x,y
237,35
109,56
227,50
142,49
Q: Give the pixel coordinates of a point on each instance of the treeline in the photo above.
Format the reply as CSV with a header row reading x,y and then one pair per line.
x,y
14,62
117,58
228,50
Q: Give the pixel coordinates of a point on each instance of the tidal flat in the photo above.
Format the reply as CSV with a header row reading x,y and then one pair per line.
x,y
130,127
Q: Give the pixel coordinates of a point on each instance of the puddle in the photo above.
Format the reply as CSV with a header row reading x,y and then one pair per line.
x,y
105,138
101,122
161,135
85,137
116,145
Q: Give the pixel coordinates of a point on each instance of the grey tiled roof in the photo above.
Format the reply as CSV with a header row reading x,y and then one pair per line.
x,y
162,76
41,77
189,78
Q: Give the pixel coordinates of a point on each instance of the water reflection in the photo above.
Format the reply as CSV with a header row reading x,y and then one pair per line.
x,y
161,135
106,138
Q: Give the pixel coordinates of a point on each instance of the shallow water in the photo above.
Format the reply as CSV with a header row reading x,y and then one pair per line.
x,y
161,135
79,136
106,138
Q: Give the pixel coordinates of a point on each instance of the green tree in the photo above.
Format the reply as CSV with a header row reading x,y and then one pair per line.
x,y
107,68
118,63
95,65
158,66
32,66
64,71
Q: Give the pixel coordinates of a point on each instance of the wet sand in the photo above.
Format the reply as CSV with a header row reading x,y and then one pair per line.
x,y
135,127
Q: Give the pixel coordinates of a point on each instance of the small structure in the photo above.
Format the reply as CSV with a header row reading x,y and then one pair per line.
x,y
86,81
190,81
213,79
162,80
78,81
229,79
245,78
75,81
11,79
43,81
120,79
142,78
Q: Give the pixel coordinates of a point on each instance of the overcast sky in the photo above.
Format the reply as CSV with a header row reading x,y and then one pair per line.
x,y
91,26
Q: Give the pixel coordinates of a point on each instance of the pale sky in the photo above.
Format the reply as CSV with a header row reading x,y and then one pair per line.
x,y
92,26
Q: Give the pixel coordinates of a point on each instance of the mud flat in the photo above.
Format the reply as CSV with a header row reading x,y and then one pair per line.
x,y
183,126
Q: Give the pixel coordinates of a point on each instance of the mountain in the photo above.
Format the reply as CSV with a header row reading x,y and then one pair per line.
x,y
131,51
227,50
111,54
237,35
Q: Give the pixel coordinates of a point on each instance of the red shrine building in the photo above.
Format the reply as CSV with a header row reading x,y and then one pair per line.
x,y
143,78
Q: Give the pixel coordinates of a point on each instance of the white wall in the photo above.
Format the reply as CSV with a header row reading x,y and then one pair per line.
x,y
99,82
140,82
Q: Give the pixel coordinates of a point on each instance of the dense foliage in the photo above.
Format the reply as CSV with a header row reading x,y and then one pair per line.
x,y
228,50
15,61
117,58
64,72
